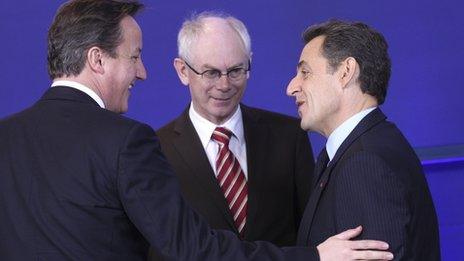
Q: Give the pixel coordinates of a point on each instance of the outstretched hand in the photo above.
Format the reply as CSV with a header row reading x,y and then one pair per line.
x,y
340,247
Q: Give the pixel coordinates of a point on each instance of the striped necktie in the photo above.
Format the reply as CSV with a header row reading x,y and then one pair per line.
x,y
231,178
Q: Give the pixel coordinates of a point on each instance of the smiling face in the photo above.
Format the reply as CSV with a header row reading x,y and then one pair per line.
x,y
218,47
122,72
317,91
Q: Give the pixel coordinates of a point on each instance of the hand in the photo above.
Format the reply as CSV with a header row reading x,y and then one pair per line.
x,y
339,247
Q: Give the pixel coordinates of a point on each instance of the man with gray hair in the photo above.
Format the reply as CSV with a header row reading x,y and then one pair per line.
x,y
220,149
261,193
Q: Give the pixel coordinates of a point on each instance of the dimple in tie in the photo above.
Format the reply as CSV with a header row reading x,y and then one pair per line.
x,y
231,178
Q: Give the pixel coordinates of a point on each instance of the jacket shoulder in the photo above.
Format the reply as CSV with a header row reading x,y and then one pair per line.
x,y
167,130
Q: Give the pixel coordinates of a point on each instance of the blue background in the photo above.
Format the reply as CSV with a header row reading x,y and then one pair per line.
x,y
426,41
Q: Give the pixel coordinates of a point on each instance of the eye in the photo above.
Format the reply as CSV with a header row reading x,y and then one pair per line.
x,y
211,74
135,58
236,73
304,73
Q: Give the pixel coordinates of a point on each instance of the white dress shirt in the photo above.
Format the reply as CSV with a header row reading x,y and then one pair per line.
x,y
205,129
81,88
338,136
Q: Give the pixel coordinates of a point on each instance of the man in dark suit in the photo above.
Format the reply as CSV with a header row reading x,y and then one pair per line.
x,y
274,153
368,173
78,181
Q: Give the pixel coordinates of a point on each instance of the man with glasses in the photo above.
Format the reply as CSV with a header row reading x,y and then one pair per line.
x,y
257,182
78,181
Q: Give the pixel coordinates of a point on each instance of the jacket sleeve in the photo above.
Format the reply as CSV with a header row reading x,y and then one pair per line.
x,y
150,194
369,193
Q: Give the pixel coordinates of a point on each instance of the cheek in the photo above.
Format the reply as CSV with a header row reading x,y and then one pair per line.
x,y
199,94
240,89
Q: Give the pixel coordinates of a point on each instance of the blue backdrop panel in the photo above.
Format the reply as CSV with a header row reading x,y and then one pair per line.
x,y
446,185
424,99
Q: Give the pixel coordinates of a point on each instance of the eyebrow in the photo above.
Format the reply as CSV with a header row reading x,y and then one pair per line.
x,y
301,64
138,50
207,66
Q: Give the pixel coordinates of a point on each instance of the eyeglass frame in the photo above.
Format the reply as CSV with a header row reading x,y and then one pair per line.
x,y
220,74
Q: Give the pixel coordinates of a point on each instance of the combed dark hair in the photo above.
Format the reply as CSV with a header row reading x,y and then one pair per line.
x,y
80,25
357,40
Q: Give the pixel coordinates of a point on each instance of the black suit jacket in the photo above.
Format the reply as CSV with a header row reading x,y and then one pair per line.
x,y
375,180
280,165
78,182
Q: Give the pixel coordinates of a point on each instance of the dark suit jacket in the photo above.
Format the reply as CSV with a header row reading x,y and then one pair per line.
x,y
78,182
280,165
375,180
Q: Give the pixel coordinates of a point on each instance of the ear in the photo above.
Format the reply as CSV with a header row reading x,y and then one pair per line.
x,y
348,71
96,60
251,61
181,70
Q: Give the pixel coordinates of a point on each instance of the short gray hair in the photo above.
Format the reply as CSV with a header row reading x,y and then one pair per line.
x,y
191,29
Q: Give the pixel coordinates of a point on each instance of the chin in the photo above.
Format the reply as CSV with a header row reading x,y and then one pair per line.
x,y
123,110
305,126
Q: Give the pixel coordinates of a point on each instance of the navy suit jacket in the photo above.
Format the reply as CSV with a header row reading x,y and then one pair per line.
x,y
78,182
375,180
280,166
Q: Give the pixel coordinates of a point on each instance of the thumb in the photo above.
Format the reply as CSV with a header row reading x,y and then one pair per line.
x,y
350,233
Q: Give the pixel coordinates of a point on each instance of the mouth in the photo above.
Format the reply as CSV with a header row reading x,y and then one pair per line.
x,y
299,104
131,85
221,98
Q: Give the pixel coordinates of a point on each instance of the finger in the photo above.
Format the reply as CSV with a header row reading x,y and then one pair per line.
x,y
368,244
350,233
372,255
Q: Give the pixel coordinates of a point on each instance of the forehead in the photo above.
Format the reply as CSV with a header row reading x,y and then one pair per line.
x,y
218,43
313,50
131,32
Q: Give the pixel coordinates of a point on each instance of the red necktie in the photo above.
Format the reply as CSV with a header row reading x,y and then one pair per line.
x,y
231,178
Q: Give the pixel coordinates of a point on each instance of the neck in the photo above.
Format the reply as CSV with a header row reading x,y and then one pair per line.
x,y
350,107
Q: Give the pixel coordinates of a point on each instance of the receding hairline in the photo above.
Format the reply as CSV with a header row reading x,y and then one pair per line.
x,y
194,28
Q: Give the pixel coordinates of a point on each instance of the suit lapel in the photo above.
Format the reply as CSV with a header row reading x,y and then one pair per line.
x,y
188,145
372,119
257,140
308,215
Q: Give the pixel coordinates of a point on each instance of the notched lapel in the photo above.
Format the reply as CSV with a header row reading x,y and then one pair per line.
x,y
308,216
188,145
257,141
372,119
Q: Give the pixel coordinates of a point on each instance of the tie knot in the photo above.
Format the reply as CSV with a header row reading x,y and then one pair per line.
x,y
221,135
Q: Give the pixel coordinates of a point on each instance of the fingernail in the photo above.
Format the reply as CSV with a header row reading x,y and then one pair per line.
x,y
390,256
385,245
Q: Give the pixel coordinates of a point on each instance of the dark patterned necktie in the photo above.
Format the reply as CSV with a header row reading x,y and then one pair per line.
x,y
321,165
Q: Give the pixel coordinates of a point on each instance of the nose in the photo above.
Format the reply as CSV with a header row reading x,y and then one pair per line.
x,y
223,83
141,72
293,87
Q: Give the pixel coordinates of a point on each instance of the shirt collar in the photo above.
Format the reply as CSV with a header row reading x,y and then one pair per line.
x,y
339,135
82,88
205,128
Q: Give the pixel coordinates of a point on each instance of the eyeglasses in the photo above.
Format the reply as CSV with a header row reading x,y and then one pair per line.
x,y
234,75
